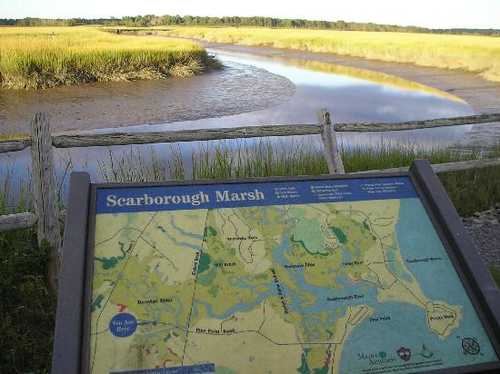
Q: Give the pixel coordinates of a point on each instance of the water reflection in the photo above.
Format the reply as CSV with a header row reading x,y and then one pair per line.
x,y
343,75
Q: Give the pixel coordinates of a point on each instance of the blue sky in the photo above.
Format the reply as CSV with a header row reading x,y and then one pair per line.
x,y
429,13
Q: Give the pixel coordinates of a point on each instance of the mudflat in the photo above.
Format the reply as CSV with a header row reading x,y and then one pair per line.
x,y
231,90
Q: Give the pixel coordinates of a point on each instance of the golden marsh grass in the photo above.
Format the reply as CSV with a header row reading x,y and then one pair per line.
x,y
42,57
478,54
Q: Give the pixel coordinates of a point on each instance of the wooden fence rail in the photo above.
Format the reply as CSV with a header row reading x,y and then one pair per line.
x,y
14,145
415,125
92,140
47,215
17,221
126,138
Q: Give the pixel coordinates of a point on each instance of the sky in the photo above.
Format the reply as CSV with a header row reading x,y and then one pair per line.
x,y
427,13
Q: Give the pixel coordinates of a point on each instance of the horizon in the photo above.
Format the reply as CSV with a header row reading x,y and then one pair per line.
x,y
279,18
446,14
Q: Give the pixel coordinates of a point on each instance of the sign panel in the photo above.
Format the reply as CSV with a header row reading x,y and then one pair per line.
x,y
311,276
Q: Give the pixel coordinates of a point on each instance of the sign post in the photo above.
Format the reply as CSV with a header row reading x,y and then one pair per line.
x,y
330,274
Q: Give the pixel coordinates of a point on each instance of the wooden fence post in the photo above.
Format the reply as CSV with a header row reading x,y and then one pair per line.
x,y
329,137
45,194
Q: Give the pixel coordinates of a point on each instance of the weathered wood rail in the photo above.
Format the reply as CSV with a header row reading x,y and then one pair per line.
x,y
416,125
47,215
17,221
125,138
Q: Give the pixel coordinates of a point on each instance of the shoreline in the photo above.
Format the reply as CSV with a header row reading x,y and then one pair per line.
x,y
482,95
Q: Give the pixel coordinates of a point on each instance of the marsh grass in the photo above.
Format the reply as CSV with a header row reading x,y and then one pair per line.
x,y
478,54
259,159
471,190
495,272
14,195
132,166
387,155
27,305
42,57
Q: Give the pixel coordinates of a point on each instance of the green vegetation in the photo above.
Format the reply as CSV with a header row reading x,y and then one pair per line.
x,y
341,236
473,190
495,272
135,166
27,306
478,54
209,231
54,56
204,263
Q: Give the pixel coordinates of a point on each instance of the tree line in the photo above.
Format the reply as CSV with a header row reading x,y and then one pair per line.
x,y
166,20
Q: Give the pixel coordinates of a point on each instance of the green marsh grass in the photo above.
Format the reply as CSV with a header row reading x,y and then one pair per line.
x,y
27,305
478,54
135,166
42,57
495,272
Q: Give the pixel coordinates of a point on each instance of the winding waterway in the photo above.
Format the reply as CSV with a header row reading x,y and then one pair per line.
x,y
351,95
250,90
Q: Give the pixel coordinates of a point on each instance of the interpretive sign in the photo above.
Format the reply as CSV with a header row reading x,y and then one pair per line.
x,y
346,274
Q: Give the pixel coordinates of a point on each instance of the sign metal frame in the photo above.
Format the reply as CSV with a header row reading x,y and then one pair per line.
x,y
71,341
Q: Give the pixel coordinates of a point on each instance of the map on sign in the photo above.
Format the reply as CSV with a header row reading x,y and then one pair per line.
x,y
321,276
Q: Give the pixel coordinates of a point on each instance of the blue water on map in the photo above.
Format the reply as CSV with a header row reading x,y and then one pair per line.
x,y
236,308
180,243
412,223
408,327
183,232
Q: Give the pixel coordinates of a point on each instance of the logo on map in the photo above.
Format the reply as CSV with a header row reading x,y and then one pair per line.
x,y
404,353
470,346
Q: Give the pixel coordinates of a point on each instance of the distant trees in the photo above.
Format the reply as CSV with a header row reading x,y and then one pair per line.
x,y
166,20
